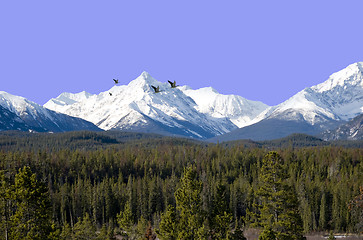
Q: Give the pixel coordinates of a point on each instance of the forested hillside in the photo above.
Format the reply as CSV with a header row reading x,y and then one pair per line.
x,y
130,189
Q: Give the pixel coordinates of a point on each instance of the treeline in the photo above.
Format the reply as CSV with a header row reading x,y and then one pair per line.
x,y
94,189
83,140
88,140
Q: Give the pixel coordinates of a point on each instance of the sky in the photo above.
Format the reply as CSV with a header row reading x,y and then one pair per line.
x,y
262,50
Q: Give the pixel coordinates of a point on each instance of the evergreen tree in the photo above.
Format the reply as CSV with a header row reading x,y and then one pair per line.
x,y
67,232
187,222
279,209
84,229
141,227
188,205
126,222
6,205
323,215
106,233
356,209
267,234
168,225
222,218
32,219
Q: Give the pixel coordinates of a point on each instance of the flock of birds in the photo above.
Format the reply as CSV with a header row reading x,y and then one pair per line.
x,y
156,89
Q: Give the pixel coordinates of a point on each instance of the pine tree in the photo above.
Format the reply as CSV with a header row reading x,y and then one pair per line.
x,y
356,209
187,222
267,234
67,232
106,233
222,218
322,215
125,221
141,227
6,204
168,225
32,219
84,229
188,204
279,209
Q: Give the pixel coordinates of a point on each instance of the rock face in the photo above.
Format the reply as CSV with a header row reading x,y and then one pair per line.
x,y
10,121
180,111
352,130
311,111
18,113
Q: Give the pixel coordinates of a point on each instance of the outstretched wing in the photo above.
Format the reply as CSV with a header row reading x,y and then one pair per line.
x,y
155,89
170,83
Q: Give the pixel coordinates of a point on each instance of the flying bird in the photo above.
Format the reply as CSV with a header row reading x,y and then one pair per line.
x,y
156,89
173,84
110,94
116,81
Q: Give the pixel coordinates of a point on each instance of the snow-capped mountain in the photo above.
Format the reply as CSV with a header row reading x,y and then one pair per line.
x,y
18,113
310,111
338,98
236,108
173,111
66,99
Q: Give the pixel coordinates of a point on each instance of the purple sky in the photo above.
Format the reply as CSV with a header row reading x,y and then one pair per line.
x,y
261,50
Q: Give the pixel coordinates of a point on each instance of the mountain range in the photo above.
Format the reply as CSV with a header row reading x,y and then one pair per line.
x,y
202,114
310,111
18,113
180,111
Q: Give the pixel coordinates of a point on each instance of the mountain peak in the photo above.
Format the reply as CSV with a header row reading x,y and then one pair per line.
x,y
338,98
67,98
144,81
349,76
145,75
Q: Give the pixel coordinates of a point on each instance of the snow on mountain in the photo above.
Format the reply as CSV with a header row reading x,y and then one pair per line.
x,y
10,121
338,98
197,113
352,130
238,109
205,113
310,111
39,118
66,99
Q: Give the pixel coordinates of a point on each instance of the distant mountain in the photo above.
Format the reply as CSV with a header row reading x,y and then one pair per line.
x,y
18,113
180,111
352,130
311,111
202,114
11,121
236,108
66,99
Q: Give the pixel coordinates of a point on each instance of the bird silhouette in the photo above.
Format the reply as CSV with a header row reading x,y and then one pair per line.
x,y
110,94
173,84
116,81
156,89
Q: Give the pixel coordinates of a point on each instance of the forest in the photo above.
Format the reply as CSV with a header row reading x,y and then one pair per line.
x,y
87,185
